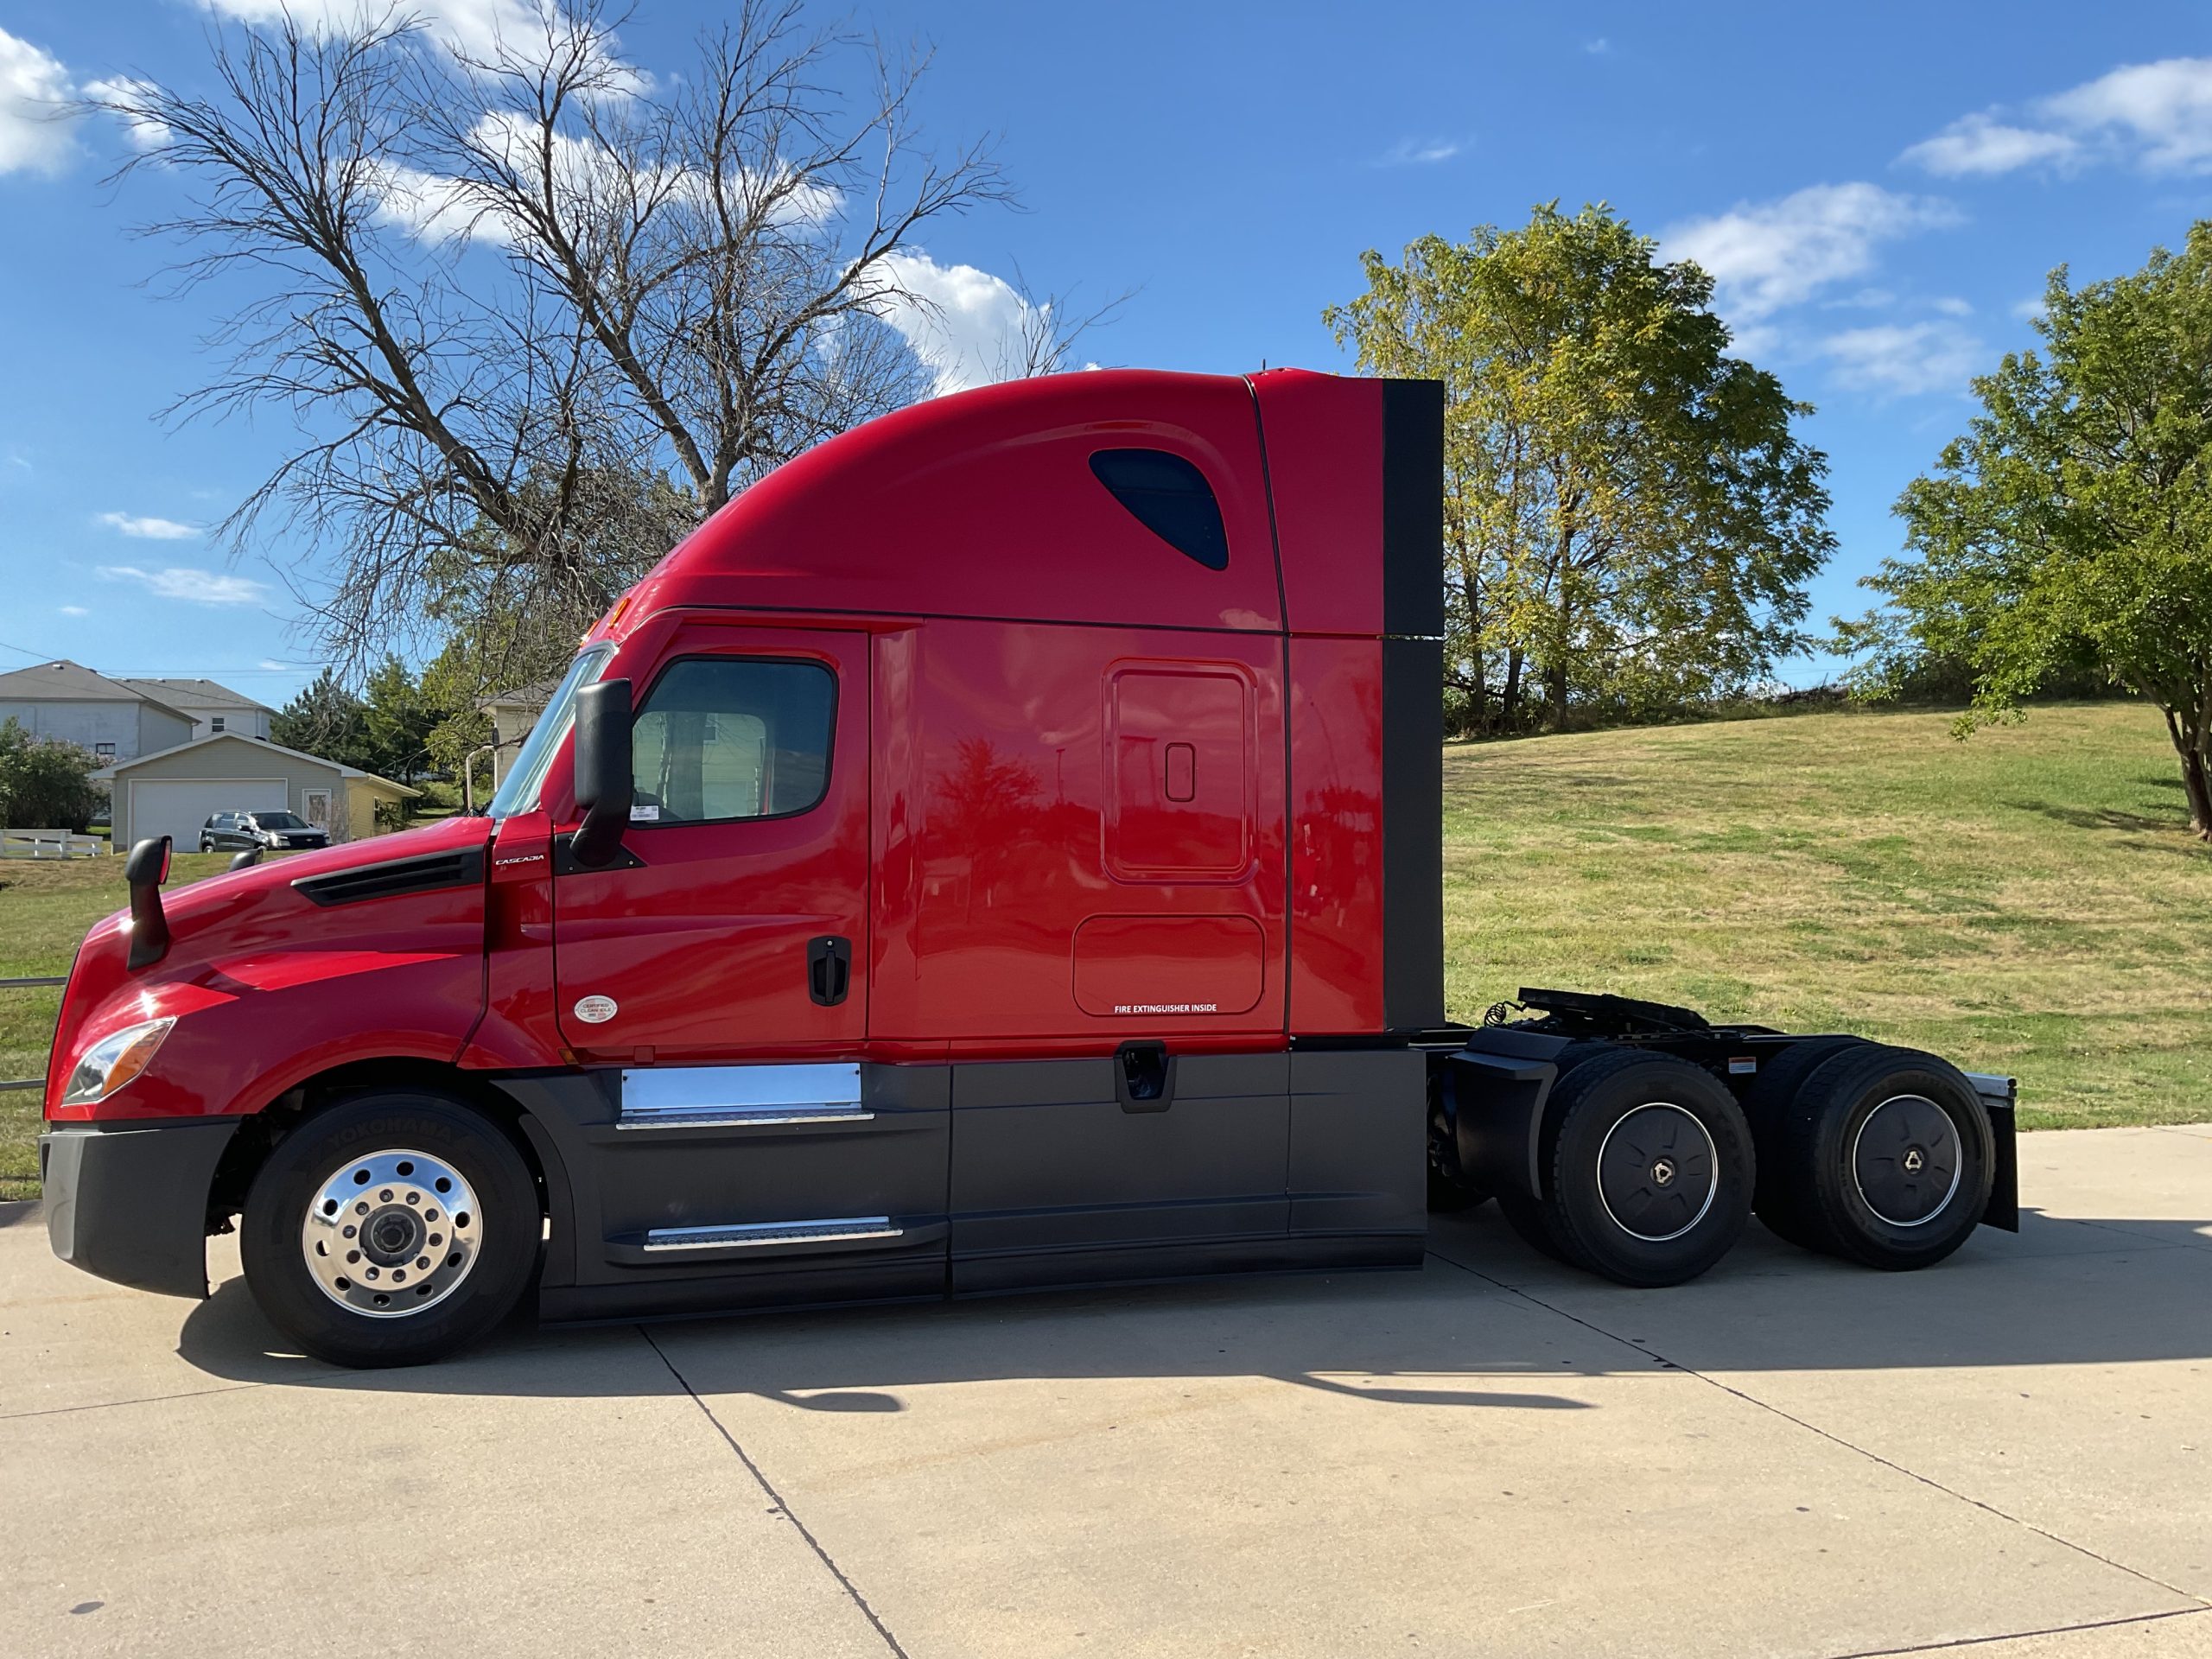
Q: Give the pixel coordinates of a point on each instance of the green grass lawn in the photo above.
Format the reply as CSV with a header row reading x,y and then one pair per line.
x,y
2027,901
46,908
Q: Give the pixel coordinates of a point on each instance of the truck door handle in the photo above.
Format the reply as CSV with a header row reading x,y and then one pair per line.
x,y
829,969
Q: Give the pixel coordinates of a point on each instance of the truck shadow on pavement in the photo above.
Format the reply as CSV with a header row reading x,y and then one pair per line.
x,y
1487,1323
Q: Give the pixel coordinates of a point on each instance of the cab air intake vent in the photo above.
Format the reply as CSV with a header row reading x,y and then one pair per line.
x,y
425,873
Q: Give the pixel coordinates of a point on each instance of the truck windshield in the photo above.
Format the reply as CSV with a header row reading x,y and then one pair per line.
x,y
519,793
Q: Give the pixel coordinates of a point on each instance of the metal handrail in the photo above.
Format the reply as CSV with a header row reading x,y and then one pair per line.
x,y
19,985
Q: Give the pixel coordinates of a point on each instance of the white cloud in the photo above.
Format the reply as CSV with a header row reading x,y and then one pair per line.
x,y
74,610
272,663
1598,47
2166,108
432,208
474,29
1765,255
200,586
143,133
1982,144
966,325
1421,152
2157,115
1902,359
2028,309
150,530
34,89
1951,306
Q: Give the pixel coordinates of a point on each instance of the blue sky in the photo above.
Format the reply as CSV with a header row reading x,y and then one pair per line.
x,y
1880,189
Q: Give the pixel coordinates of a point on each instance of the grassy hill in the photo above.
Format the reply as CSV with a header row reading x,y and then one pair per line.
x,y
2026,901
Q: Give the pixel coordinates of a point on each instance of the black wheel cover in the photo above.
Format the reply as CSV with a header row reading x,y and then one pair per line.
x,y
1656,1172
1906,1160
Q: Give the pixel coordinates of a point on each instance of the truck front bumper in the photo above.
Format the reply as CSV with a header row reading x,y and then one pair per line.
x,y
128,1201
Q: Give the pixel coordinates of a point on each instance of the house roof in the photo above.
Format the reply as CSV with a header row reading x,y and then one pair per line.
x,y
107,774
63,681
535,695
195,694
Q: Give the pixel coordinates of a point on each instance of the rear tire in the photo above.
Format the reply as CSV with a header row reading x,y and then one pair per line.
x,y
1650,1169
391,1228
1766,1105
1886,1157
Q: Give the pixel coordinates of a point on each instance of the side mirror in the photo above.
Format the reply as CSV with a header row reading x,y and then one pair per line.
x,y
146,867
602,771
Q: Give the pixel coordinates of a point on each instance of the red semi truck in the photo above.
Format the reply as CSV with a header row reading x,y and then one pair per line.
x,y
998,850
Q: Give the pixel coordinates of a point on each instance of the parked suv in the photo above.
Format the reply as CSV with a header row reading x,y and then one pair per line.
x,y
281,831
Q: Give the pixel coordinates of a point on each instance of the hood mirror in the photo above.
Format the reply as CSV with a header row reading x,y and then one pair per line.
x,y
146,869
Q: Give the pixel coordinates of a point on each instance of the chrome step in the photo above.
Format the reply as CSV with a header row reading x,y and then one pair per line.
x,y
749,1118
840,1230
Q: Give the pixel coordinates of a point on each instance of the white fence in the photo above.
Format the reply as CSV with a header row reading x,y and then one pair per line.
x,y
49,843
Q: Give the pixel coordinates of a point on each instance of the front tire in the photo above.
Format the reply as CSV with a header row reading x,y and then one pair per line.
x,y
1650,1169
391,1228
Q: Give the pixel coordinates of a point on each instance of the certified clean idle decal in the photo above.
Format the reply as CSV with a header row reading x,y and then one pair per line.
x,y
594,1010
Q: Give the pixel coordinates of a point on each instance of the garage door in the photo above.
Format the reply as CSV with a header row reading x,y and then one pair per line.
x,y
178,806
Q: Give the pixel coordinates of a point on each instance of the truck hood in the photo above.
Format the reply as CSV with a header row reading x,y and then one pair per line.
x,y
289,925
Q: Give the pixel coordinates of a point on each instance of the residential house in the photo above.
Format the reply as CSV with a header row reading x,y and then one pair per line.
x,y
215,709
175,791
115,721
513,714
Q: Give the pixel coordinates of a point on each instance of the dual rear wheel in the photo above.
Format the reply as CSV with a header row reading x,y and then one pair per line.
x,y
1880,1155
1647,1168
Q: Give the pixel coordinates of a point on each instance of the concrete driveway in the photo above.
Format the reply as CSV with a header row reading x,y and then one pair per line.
x,y
1492,1456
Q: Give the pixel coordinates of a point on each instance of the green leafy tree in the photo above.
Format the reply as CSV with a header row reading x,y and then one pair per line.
x,y
46,783
1630,518
326,720
2071,526
398,715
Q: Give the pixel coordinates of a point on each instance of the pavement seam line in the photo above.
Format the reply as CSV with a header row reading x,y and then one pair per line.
x,y
2022,1636
777,1498
2202,1603
109,1405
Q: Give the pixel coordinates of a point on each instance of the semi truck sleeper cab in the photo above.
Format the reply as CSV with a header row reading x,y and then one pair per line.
x,y
1001,849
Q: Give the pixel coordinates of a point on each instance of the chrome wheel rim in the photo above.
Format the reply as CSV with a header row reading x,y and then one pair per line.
x,y
391,1235
1905,1161
1657,1172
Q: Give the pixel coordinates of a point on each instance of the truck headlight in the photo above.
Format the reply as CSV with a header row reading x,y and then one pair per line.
x,y
113,1061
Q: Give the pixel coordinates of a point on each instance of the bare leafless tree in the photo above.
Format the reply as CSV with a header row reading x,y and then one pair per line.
x,y
1045,335
534,315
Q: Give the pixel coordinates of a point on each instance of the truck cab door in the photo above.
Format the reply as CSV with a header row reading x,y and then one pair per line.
x,y
726,1141
734,924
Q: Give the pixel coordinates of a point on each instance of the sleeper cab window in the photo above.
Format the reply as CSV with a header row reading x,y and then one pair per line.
x,y
1170,497
722,738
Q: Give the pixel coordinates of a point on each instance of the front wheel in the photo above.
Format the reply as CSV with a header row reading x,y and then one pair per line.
x,y
391,1228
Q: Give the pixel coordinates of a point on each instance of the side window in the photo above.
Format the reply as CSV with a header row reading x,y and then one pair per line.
x,y
725,737
1169,496
215,724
